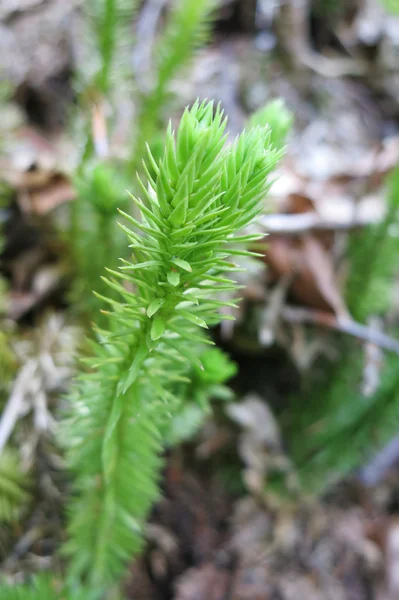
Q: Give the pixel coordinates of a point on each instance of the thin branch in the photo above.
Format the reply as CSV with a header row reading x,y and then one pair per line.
x,y
16,405
291,224
344,325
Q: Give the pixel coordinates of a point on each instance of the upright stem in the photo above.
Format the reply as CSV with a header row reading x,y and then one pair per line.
x,y
112,442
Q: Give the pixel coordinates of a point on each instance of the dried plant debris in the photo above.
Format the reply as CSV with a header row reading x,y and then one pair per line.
x,y
289,550
46,366
260,444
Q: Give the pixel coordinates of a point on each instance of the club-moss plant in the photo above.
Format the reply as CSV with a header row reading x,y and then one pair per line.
x,y
103,79
202,193
122,405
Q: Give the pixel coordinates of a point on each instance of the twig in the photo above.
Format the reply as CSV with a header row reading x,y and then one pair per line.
x,y
374,359
344,325
16,405
332,67
270,317
286,224
295,32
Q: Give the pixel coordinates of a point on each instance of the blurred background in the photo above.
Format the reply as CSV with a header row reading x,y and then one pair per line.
x,y
289,487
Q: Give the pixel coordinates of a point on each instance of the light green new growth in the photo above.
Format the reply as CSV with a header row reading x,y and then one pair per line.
x,y
201,194
391,5
278,117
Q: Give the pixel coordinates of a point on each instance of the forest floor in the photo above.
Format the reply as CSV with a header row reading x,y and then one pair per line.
x,y
219,533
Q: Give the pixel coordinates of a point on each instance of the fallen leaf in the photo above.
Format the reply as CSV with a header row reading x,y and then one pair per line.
x,y
314,282
56,191
320,266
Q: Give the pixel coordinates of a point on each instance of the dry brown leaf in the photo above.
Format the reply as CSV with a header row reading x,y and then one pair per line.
x,y
298,203
320,265
56,191
45,282
313,279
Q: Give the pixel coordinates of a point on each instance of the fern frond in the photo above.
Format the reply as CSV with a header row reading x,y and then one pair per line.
x,y
201,194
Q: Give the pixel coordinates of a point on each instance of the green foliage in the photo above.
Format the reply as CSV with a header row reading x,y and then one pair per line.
x,y
391,5
8,362
278,117
373,261
107,31
327,9
339,409
13,486
206,380
43,587
98,240
201,193
40,589
100,186
102,70
187,29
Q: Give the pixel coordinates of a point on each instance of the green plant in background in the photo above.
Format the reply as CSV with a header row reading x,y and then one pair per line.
x,y
14,485
103,71
102,80
8,364
41,588
201,194
101,190
99,182
343,423
391,5
373,262
187,29
109,29
206,378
